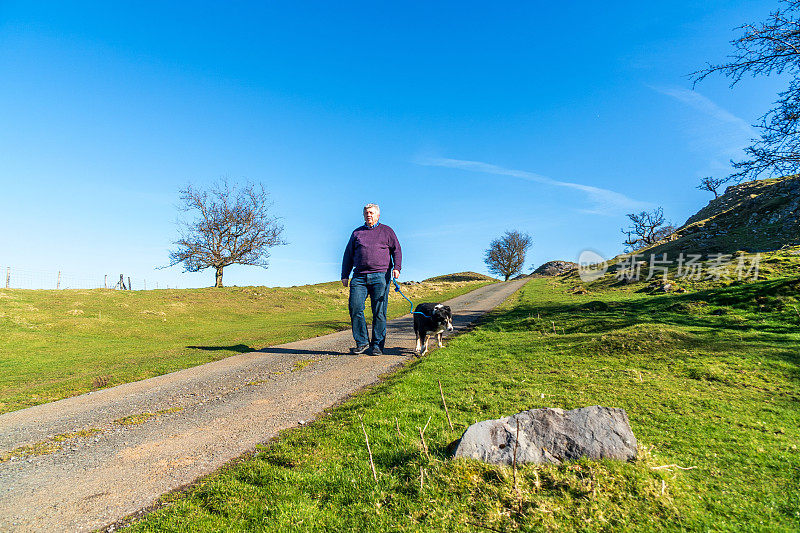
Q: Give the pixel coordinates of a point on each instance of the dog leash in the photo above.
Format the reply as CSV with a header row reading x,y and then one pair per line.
x,y
397,289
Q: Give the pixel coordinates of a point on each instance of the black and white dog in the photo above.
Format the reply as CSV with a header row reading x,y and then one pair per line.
x,y
431,319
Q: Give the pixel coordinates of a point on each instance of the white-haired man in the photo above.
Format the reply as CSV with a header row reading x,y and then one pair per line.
x,y
373,254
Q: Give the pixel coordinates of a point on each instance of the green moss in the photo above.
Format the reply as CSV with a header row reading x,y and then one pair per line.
x,y
53,444
141,418
300,365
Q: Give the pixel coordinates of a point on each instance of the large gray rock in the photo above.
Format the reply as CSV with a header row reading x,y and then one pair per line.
x,y
555,268
551,436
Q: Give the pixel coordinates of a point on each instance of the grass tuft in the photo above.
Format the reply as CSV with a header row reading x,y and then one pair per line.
x,y
50,445
141,418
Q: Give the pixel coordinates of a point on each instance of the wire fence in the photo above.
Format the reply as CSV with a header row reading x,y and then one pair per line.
x,y
17,278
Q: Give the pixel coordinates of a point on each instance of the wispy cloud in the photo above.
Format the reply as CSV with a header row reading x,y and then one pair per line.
x,y
706,106
605,201
721,138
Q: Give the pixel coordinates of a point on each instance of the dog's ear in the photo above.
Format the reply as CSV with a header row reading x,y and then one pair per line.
x,y
447,310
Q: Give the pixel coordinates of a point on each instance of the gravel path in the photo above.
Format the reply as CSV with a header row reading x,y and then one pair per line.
x,y
155,435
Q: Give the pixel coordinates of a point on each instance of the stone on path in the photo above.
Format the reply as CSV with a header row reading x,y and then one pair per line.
x,y
551,436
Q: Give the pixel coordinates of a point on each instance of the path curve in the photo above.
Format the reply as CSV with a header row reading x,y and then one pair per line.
x,y
158,434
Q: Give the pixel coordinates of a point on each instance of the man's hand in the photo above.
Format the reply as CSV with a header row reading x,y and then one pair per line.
x,y
344,281
395,273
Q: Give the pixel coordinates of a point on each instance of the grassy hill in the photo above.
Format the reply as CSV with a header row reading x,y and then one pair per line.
x,y
710,379
732,270
55,344
755,216
461,276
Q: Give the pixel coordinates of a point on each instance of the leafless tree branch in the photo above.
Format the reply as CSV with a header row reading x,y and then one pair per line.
x,y
712,184
231,225
647,228
764,49
506,255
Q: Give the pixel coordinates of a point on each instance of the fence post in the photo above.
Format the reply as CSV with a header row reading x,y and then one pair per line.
x,y
8,276
121,282
145,284
58,282
105,281
130,288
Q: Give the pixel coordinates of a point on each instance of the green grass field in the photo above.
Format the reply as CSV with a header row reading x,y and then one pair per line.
x,y
710,380
55,344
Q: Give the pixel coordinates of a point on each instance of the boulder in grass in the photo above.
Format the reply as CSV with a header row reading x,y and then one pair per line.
x,y
551,436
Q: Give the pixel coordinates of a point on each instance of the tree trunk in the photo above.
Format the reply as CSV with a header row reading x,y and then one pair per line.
x,y
506,277
219,277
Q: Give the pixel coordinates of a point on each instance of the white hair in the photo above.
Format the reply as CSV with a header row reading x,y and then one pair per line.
x,y
376,206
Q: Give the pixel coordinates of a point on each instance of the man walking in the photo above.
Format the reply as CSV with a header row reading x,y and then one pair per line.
x,y
374,252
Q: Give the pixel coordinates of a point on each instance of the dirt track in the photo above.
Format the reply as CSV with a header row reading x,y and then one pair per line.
x,y
202,418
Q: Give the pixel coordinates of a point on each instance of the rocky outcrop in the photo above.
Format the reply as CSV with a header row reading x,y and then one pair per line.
x,y
551,436
555,268
756,216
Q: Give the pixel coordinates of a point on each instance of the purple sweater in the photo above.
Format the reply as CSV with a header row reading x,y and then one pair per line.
x,y
372,250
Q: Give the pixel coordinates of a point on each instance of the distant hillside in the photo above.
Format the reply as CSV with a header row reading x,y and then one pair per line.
x,y
756,216
462,276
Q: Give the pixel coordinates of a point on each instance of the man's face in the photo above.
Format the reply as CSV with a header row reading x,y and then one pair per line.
x,y
371,216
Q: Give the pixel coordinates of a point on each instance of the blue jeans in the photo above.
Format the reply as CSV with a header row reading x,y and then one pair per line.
x,y
376,285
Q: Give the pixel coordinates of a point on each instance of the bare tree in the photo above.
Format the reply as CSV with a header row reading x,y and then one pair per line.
x,y
763,49
232,225
647,228
712,184
506,255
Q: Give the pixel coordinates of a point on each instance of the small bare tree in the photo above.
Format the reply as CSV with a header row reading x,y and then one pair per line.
x,y
506,255
647,228
711,184
764,49
232,225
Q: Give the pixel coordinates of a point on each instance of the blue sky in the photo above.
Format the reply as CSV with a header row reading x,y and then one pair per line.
x,y
462,120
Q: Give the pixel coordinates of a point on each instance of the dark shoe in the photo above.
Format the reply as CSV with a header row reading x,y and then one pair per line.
x,y
359,349
377,351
